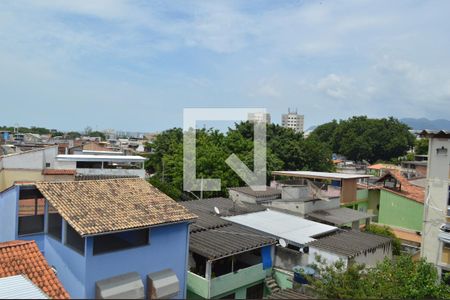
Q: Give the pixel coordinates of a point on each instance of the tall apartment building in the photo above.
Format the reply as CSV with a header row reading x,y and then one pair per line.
x,y
436,217
293,120
259,117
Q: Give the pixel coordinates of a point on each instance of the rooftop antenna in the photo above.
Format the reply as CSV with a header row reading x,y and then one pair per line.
x,y
216,210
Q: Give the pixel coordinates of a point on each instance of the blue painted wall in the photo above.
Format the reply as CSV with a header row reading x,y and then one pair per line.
x,y
8,214
168,248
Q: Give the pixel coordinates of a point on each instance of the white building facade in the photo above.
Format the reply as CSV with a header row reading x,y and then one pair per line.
x,y
293,120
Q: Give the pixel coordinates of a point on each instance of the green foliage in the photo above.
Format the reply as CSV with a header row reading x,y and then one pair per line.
x,y
401,278
421,146
166,188
285,150
386,231
98,133
360,138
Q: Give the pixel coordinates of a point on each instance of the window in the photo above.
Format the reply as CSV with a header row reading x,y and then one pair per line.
x,y
121,240
89,164
54,223
74,240
31,211
47,165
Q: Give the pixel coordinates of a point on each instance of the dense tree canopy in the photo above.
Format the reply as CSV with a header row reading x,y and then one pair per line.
x,y
361,138
286,150
421,146
401,278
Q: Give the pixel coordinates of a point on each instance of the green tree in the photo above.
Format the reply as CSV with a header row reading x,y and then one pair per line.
x,y
386,231
421,146
400,278
360,138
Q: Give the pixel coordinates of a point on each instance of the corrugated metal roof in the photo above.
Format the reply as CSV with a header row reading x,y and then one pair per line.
x,y
319,175
351,243
86,157
432,133
229,240
339,216
294,229
19,287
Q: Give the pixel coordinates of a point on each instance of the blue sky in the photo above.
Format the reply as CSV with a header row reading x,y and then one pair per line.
x,y
135,65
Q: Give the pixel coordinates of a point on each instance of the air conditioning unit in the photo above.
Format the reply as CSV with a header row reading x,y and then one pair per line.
x,y
162,285
125,286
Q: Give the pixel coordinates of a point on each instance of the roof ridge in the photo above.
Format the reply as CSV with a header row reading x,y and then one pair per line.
x,y
14,243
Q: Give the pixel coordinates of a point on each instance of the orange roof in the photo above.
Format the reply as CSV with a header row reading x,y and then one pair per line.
x,y
337,161
58,172
95,147
381,166
407,235
24,257
407,189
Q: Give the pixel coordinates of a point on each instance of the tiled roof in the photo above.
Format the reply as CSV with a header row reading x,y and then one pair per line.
x,y
381,166
58,172
102,206
95,147
351,243
24,257
406,189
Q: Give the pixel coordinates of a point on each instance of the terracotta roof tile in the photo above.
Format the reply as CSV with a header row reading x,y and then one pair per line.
x,y
24,257
407,189
58,172
100,206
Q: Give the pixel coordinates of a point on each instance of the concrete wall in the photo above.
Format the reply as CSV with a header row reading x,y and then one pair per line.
x,y
34,159
122,172
435,211
399,211
9,176
304,207
286,258
329,257
235,195
370,259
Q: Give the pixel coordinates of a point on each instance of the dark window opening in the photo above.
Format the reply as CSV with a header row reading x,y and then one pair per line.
x,y
229,296
31,212
74,240
255,292
54,223
221,267
197,264
89,164
47,165
119,241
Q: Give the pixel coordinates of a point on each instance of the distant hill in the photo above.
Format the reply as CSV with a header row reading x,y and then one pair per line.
x,y
423,123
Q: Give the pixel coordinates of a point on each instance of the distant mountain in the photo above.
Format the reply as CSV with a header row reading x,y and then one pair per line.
x,y
423,123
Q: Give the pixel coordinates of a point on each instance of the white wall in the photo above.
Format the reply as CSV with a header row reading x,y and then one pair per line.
x,y
31,160
235,195
304,207
121,172
329,257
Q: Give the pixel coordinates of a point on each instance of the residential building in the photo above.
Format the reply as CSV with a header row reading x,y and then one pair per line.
x,y
226,260
436,217
293,120
104,238
24,259
351,247
259,117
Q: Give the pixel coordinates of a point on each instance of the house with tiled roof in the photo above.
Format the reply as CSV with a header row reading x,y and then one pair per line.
x,y
105,238
400,206
24,258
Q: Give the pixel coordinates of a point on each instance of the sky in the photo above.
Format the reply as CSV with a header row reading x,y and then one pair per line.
x,y
135,65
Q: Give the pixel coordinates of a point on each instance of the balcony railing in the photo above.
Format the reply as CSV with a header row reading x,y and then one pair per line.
x,y
225,283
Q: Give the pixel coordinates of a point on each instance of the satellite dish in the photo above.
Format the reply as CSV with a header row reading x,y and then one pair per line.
x,y
216,210
282,243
